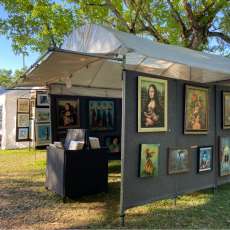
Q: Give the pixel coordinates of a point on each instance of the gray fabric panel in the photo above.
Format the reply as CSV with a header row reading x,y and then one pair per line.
x,y
137,190
220,130
55,170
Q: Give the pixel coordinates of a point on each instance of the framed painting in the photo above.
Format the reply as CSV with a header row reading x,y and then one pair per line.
x,y
113,143
23,134
224,156
43,115
226,110
149,157
178,161
43,134
32,108
152,104
68,113
43,99
196,110
205,159
101,115
23,105
23,120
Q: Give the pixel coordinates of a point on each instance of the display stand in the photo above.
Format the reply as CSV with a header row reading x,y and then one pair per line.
x,y
74,173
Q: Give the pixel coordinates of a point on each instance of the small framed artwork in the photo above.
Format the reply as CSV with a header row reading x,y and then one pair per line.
x,y
224,156
101,115
22,134
32,108
43,99
226,110
23,120
196,110
178,161
43,115
113,143
205,159
23,105
149,157
152,104
68,113
43,134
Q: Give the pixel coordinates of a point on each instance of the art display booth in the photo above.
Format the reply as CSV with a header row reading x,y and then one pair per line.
x,y
97,62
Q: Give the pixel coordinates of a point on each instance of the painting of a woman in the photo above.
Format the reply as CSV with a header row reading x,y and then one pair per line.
x,y
152,105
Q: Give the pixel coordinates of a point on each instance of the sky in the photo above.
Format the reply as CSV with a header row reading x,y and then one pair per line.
x,y
8,60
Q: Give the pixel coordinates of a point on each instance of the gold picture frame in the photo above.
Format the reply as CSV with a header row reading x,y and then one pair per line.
x,y
226,110
152,104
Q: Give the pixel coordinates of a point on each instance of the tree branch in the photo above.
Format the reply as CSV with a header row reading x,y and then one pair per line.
x,y
177,17
223,36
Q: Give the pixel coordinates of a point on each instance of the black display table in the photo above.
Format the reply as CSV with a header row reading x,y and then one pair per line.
x,y
74,173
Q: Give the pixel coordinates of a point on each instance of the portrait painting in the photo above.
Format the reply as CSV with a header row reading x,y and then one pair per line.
x,y
23,134
23,105
205,159
196,110
43,99
149,157
113,143
178,161
224,157
23,120
43,115
152,104
101,115
43,134
226,110
68,113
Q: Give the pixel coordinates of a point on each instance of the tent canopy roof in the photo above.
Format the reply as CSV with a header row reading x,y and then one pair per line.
x,y
89,57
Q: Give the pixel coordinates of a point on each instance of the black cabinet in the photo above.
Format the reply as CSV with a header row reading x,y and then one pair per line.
x,y
74,173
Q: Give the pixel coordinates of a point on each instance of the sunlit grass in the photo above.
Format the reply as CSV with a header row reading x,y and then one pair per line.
x,y
26,204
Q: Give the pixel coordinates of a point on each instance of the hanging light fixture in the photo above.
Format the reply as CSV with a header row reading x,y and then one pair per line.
x,y
68,82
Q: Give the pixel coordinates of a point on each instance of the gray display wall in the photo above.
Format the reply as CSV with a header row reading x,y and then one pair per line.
x,y
135,190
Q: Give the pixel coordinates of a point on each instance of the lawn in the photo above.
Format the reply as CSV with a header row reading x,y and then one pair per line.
x,y
26,204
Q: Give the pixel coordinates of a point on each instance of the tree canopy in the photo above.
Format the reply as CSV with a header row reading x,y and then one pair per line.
x,y
196,24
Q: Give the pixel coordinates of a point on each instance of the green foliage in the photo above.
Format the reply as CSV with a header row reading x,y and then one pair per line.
x,y
35,24
8,78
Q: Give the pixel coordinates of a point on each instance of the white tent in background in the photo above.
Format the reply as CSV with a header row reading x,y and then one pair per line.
x,y
92,57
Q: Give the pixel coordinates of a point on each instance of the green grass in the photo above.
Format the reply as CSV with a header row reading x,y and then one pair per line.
x,y
26,204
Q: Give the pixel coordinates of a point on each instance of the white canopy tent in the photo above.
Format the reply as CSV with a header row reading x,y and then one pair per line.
x,y
93,57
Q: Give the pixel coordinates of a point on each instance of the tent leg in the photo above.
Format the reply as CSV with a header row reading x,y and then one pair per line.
x,y
122,219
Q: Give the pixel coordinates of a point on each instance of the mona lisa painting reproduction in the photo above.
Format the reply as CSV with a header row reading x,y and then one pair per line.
x,y
152,104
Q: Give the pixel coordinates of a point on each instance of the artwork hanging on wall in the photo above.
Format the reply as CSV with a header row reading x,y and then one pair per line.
x,y
43,134
149,157
205,159
32,108
178,161
42,99
196,110
23,120
23,105
43,115
152,104
22,134
101,115
224,152
226,110
113,143
68,113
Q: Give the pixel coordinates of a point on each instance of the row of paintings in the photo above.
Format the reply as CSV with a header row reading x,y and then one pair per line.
x,y
101,114
153,104
179,159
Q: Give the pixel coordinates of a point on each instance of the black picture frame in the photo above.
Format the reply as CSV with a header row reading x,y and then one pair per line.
x,y
18,139
199,149
46,102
